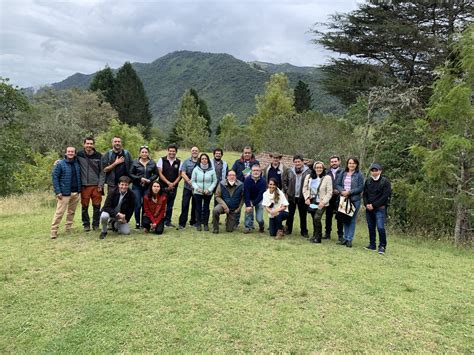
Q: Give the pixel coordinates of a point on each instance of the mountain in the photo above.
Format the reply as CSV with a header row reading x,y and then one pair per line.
x,y
226,83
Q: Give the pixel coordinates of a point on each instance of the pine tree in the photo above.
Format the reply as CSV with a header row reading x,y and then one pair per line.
x,y
202,109
303,97
131,101
384,42
104,81
190,127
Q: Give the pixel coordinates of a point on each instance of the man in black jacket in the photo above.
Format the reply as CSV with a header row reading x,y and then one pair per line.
x,y
377,192
118,208
90,162
334,172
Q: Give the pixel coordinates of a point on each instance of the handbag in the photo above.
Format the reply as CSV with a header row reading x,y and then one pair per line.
x,y
345,206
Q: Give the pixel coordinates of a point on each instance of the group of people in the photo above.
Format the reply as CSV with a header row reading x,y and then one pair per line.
x,y
277,189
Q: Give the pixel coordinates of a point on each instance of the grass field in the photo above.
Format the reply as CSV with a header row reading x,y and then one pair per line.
x,y
195,291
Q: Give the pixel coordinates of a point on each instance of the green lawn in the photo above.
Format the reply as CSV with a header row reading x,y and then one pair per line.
x,y
195,291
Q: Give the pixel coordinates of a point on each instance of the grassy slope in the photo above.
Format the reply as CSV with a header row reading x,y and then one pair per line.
x,y
199,292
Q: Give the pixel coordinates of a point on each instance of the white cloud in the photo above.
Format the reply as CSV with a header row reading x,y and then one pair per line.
x,y
45,41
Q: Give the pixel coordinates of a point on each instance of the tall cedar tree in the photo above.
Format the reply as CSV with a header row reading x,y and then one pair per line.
x,y
131,101
303,97
387,41
104,81
202,109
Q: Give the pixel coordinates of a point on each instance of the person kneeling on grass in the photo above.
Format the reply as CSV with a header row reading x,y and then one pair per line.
x,y
154,204
118,208
276,205
230,198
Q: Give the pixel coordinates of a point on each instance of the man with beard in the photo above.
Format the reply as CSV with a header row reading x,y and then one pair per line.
x,y
186,170
276,170
115,164
168,170
230,198
335,171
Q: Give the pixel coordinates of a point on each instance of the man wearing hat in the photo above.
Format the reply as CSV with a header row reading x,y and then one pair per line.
x,y
377,193
276,169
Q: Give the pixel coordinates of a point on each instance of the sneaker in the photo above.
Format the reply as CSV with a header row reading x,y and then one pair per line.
x,y
95,227
349,244
87,229
198,228
305,235
103,235
215,231
342,242
261,229
169,224
180,227
206,228
54,236
381,250
246,231
370,247
137,226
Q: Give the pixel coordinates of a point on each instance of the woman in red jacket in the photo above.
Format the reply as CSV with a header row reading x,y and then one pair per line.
x,y
154,204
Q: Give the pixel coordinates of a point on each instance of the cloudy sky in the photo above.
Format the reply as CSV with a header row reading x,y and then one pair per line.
x,y
44,41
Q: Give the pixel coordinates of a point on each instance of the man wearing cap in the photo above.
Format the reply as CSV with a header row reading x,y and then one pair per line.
x,y
276,169
377,192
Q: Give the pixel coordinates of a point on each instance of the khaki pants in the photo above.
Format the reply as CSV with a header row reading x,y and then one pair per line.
x,y
68,203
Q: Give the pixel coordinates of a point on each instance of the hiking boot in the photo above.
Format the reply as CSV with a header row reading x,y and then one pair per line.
x,y
280,234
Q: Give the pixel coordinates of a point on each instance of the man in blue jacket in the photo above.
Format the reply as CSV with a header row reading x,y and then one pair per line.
x,y
67,187
254,187
242,166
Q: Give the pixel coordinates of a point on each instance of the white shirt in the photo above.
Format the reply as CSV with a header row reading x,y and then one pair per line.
x,y
268,200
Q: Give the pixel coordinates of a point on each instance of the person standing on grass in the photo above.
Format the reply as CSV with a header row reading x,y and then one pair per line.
x,y
186,171
204,181
66,178
317,191
377,192
143,172
331,210
276,170
118,208
276,205
254,187
154,205
168,170
293,188
90,163
350,185
115,164
219,165
230,198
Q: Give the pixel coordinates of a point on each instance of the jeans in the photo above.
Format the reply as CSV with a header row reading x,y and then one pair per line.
x,y
187,199
202,209
248,224
170,197
376,218
302,211
349,228
139,192
276,223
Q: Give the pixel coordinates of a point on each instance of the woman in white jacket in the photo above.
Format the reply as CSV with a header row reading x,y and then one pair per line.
x,y
317,191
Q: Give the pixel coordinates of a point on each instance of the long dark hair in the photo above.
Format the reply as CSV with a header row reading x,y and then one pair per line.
x,y
313,171
355,161
150,190
276,194
204,155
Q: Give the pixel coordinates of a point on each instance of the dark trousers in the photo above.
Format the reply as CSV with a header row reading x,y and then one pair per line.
x,y
376,219
170,197
139,192
146,223
331,211
317,216
302,210
230,222
276,223
187,199
95,216
202,209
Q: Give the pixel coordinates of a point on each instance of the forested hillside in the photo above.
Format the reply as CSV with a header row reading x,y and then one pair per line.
x,y
226,83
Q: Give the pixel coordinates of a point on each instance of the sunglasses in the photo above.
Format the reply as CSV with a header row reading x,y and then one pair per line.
x,y
143,146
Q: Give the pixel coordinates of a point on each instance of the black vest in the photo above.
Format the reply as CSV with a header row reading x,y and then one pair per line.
x,y
171,172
